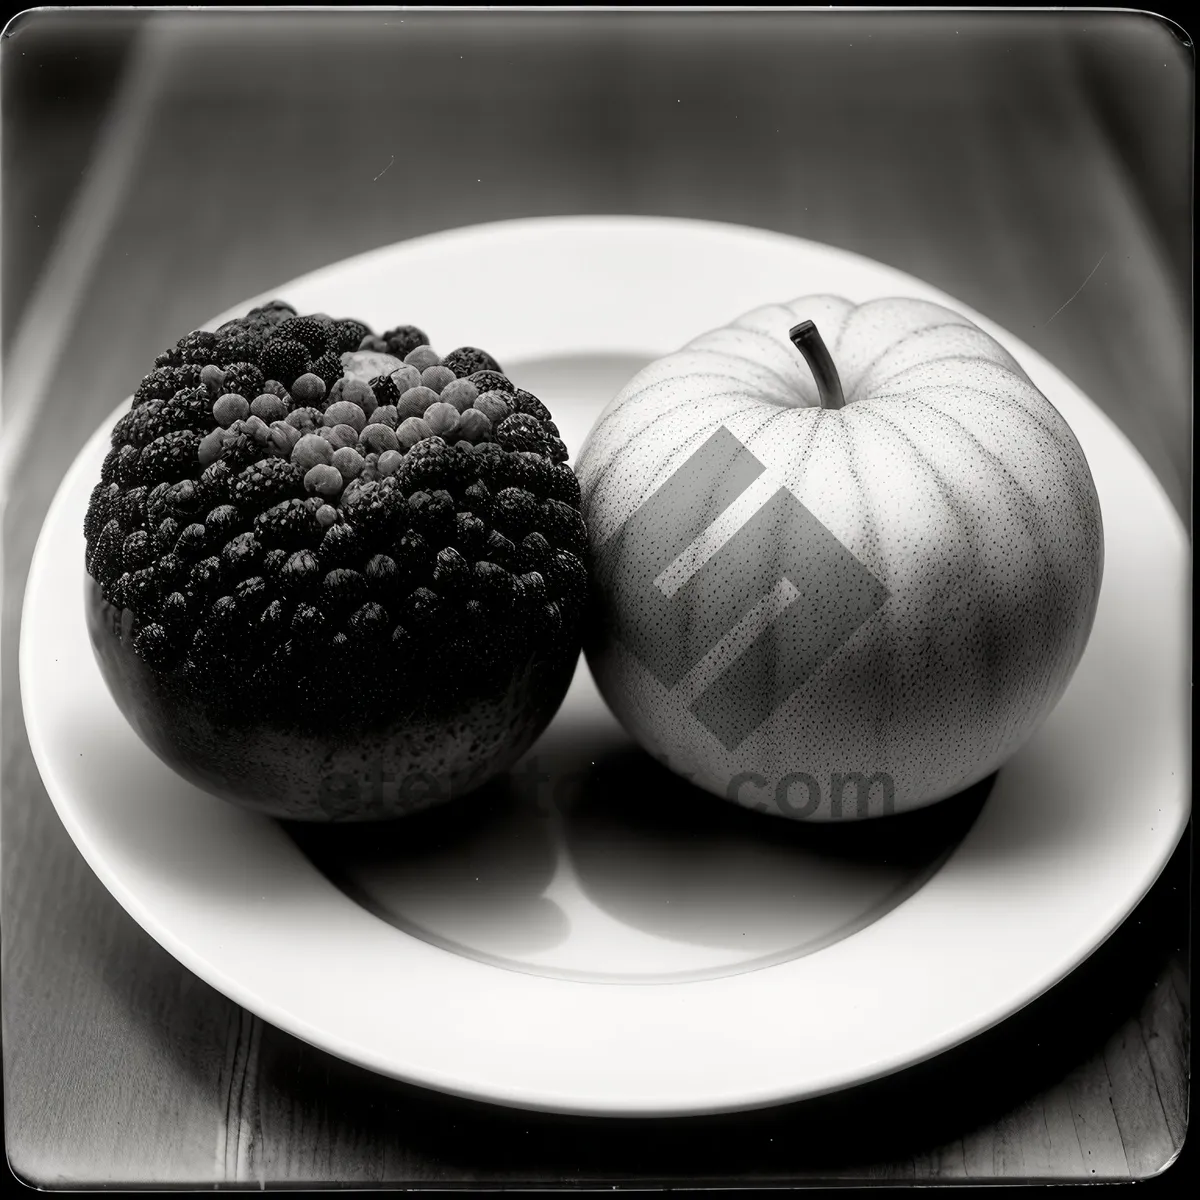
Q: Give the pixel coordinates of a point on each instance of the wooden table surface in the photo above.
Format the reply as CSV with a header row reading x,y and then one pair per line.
x,y
244,150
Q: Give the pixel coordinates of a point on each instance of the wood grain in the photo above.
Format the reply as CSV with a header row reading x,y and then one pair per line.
x,y
955,147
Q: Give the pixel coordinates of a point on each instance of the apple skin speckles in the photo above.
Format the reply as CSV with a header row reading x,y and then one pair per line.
x,y
942,528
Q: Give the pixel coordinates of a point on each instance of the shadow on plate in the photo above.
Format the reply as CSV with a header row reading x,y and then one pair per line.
x,y
611,828
660,854
477,865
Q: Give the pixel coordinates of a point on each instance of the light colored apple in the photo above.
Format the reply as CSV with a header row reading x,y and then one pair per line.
x,y
847,557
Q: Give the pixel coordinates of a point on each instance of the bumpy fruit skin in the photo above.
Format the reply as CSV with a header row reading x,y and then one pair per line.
x,y
421,751
941,534
349,648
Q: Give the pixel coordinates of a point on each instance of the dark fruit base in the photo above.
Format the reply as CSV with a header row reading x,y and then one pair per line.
x,y
423,753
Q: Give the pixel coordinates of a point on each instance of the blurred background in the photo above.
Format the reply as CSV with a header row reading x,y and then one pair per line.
x,y
159,167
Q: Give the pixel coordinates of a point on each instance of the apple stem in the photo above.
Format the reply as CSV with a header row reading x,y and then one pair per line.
x,y
808,341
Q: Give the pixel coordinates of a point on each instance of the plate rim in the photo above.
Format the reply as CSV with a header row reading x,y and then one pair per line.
x,y
234,990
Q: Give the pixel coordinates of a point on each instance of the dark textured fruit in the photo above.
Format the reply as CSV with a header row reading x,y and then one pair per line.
x,y
221,524
308,625
343,590
567,578
500,549
137,551
173,614
284,359
327,368
300,570
188,408
271,637
309,333
492,381
252,595
207,576
238,448
272,623
171,572
237,344
564,486
531,471
378,510
493,584
451,573
215,484
382,574
467,360
169,458
130,507
192,541
422,610
346,336
244,378
137,427
432,515
155,646
167,534
290,524
470,535
163,382
342,545
404,339
563,525
127,463
99,509
385,390
526,402
477,497
521,431
242,553
368,624
266,483
107,551
197,347
535,550
515,512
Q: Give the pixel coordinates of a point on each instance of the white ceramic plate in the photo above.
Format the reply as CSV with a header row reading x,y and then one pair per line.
x,y
573,943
